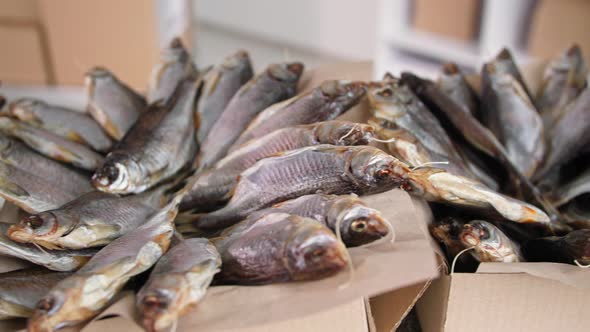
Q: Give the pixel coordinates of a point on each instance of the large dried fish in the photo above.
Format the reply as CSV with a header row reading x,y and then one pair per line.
x,y
111,103
570,190
83,295
20,290
436,185
490,244
52,145
276,83
15,153
512,117
220,85
277,248
418,137
73,125
570,249
177,283
326,102
57,260
159,145
452,83
175,66
31,192
563,80
358,223
91,220
324,168
215,185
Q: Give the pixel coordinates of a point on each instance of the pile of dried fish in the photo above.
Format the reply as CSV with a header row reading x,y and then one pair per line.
x,y
220,176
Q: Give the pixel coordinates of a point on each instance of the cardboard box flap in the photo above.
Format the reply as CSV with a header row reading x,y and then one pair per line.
x,y
568,274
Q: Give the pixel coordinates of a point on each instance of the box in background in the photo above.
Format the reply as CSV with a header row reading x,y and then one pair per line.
x,y
456,19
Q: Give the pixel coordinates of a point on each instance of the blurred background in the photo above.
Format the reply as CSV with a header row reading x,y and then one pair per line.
x,y
52,43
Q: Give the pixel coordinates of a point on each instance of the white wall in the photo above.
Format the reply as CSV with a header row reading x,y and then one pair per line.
x,y
338,28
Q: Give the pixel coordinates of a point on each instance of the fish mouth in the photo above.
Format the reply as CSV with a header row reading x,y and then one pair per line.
x,y
20,233
111,178
470,235
236,59
152,307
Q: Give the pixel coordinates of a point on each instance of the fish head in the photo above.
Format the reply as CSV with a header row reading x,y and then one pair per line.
x,y
358,223
578,244
377,171
96,78
237,60
390,99
115,175
286,72
24,109
481,234
313,252
342,94
43,228
60,307
344,133
158,308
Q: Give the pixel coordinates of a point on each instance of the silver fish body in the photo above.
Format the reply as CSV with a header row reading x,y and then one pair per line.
x,y
453,84
490,243
73,125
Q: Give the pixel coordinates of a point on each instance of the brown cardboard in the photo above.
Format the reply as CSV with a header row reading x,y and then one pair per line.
x,y
23,59
457,19
18,10
556,25
120,35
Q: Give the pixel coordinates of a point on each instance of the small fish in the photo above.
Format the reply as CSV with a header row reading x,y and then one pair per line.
x,y
418,137
91,220
569,135
177,283
158,146
490,243
17,154
114,105
278,248
214,186
326,102
73,125
31,192
278,82
51,145
570,249
324,168
436,185
175,66
220,85
505,64
57,260
20,290
87,292
563,80
510,114
452,83
358,223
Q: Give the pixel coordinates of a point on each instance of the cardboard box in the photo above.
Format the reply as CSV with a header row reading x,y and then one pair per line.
x,y
456,19
556,25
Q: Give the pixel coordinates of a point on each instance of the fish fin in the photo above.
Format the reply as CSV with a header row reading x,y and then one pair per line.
x,y
74,136
155,176
12,189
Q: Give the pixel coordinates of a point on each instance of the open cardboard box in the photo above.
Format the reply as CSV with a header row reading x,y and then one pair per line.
x,y
334,304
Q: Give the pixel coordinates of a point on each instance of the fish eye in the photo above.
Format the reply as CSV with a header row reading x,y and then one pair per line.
x,y
34,222
387,92
383,173
359,226
46,304
484,234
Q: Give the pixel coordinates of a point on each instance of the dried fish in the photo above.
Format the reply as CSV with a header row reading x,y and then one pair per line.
x,y
358,223
277,248
15,153
490,244
504,64
111,103
57,260
568,191
570,249
214,186
76,126
20,290
220,85
563,80
436,185
51,145
83,295
512,117
91,220
446,231
452,83
175,66
159,145
177,283
326,102
31,192
324,168
276,83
